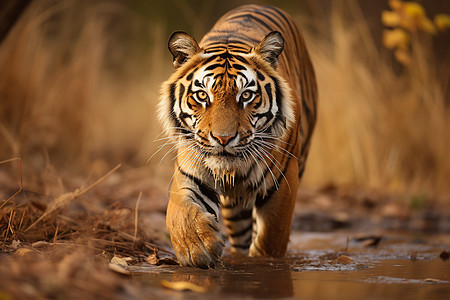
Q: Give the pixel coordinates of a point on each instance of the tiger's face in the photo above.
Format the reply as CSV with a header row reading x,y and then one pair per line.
x,y
229,106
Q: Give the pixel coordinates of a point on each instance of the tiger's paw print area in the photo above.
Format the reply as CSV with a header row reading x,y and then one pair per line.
x,y
196,236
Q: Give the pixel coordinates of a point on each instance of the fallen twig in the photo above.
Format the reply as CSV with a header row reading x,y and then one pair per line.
x,y
136,210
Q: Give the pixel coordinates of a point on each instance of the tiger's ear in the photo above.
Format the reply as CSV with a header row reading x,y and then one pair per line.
x,y
271,47
182,46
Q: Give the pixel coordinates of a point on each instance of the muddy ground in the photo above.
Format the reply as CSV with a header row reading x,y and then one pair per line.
x,y
104,237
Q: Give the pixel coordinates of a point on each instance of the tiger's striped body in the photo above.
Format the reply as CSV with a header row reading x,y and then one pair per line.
x,y
240,109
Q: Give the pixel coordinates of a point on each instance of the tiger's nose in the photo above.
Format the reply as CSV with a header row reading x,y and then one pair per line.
x,y
223,139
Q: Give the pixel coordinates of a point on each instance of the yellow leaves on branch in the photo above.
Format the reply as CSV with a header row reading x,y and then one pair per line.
x,y
442,21
396,38
405,18
407,15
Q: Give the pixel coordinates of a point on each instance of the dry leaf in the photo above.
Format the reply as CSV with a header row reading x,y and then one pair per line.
x,y
343,259
118,269
182,286
153,259
431,280
369,240
120,261
15,244
23,251
372,242
40,244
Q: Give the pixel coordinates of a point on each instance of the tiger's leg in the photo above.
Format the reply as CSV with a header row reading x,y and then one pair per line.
x,y
237,217
192,221
273,215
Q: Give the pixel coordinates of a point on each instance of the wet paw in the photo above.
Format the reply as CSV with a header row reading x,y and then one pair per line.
x,y
196,235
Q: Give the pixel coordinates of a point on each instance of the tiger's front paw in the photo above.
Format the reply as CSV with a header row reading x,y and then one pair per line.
x,y
195,234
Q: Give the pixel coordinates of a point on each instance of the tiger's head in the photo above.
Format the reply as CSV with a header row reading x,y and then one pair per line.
x,y
230,105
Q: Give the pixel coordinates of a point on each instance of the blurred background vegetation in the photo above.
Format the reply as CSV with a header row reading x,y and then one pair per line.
x,y
79,84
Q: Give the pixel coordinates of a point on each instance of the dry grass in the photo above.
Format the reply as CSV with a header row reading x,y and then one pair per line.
x,y
59,247
378,127
72,84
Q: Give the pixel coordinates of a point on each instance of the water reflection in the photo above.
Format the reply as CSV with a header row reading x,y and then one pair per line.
x,y
400,267
265,278
394,279
261,278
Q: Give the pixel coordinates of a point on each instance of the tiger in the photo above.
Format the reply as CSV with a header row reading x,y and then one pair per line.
x,y
239,112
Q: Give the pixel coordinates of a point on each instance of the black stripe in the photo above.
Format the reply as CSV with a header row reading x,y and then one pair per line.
x,y
198,83
283,15
226,35
207,61
239,67
242,74
240,246
241,59
268,115
260,76
242,232
278,95
214,66
241,215
189,77
232,39
238,48
182,119
245,17
181,92
173,101
199,198
258,91
214,49
172,95
268,17
268,89
204,189
189,92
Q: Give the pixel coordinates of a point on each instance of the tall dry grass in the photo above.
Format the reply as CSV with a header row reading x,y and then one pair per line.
x,y
71,86
377,127
80,81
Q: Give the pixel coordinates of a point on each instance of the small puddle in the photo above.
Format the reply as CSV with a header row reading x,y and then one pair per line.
x,y
400,267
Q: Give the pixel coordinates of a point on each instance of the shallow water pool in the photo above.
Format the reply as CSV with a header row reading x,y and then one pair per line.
x,y
397,267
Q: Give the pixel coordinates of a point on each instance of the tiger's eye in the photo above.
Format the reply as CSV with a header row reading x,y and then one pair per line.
x,y
246,96
202,96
